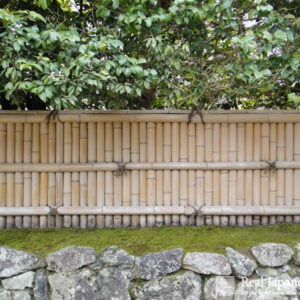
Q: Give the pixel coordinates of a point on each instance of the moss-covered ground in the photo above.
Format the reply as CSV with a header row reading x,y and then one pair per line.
x,y
139,241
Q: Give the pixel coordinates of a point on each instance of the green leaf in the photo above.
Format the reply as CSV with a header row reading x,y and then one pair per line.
x,y
281,35
17,46
35,16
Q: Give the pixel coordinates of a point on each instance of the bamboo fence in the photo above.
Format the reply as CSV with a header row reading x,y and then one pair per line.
x,y
94,169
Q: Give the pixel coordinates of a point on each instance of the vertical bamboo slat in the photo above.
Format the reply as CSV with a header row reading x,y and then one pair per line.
x,y
289,155
191,173
126,176
256,173
19,184
241,173
216,173
27,175
159,151
232,157
265,152
135,176
2,175
296,219
273,173
117,150
249,173
92,176
280,147
167,190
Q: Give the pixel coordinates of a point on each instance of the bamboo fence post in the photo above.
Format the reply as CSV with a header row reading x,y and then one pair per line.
x,y
92,176
135,176
191,173
159,134
183,174
256,173
296,219
67,192
43,175
100,175
280,173
265,152
289,173
108,175
224,180
232,157
216,173
126,196
117,152
249,173
273,173
167,189
51,176
241,173
3,137
75,175
143,174
175,173
208,176
19,184
83,176
27,175
10,177
59,175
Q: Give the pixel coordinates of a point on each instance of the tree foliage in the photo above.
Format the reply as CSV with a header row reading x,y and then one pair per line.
x,y
146,53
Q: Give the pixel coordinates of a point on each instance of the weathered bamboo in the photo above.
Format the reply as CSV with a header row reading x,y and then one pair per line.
x,y
273,174
289,155
117,151
183,175
240,174
167,173
135,176
296,219
216,173
126,176
92,176
191,174
108,177
199,180
175,173
248,173
265,151
51,175
256,173
59,175
2,175
159,156
35,176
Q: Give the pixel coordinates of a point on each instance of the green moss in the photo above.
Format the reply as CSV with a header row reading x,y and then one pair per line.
x,y
140,241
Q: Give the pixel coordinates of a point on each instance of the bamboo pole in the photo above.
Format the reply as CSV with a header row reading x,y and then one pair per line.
x,y
117,183
288,174
27,175
167,189
191,174
100,175
265,152
19,184
59,176
183,175
273,173
143,174
126,176
2,175
175,173
208,177
75,175
51,175
256,173
159,153
240,173
108,175
216,173
67,186
92,176
296,219
43,176
249,173
135,176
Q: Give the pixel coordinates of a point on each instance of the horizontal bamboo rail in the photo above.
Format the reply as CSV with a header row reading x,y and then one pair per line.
x,y
252,116
94,167
151,210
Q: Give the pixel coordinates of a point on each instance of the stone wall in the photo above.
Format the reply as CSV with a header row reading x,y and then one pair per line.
x,y
268,271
